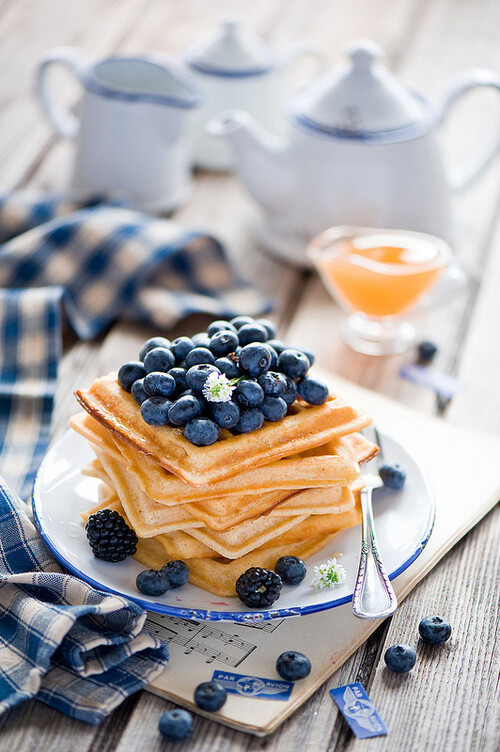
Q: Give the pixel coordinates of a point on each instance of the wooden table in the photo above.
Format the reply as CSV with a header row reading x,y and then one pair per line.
x,y
426,42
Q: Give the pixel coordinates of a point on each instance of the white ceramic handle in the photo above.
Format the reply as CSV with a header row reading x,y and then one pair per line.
x,y
62,120
463,83
306,48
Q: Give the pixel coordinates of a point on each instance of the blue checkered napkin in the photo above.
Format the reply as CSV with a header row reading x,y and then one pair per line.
x,y
77,649
30,343
112,261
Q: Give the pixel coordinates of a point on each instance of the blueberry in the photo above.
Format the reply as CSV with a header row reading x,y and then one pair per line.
x,y
210,696
184,409
306,351
313,391
199,355
290,393
273,384
277,345
392,476
250,420
154,411
291,569
228,366
220,326
274,358
201,339
151,343
159,359
274,408
293,665
268,326
201,431
255,359
223,343
240,321
400,658
151,582
249,333
197,375
130,372
248,393
293,363
158,384
434,630
225,414
179,374
176,725
426,352
180,348
138,392
176,572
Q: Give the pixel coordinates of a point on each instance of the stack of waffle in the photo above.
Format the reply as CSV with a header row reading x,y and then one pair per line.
x,y
248,499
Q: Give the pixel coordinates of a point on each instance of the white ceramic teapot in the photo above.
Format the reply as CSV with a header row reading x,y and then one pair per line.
x,y
360,149
237,69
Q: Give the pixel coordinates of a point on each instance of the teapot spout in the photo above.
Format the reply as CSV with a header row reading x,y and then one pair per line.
x,y
261,157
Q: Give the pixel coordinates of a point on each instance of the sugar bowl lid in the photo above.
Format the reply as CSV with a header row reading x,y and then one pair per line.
x,y
361,99
231,50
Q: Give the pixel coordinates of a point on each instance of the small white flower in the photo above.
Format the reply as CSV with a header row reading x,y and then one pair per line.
x,y
218,388
329,575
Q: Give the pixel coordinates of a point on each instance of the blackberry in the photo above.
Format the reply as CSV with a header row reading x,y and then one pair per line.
x,y
109,536
258,587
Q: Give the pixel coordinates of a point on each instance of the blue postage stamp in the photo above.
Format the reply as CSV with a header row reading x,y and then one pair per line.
x,y
358,710
253,686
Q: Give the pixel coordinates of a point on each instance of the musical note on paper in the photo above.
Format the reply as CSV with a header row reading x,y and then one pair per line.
x,y
213,644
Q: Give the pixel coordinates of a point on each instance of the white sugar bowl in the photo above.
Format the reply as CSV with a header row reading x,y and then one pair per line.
x,y
237,69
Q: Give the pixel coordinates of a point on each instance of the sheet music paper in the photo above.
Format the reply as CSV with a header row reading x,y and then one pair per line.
x,y
462,467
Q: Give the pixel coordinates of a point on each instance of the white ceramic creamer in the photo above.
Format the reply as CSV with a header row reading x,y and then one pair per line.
x,y
132,132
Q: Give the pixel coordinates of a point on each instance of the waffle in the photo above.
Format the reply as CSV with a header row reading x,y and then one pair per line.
x,y
219,514
335,463
218,575
303,428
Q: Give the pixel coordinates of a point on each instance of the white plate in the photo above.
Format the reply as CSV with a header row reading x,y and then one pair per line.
x,y
404,521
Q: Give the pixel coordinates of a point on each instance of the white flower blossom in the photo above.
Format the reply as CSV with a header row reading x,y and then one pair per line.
x,y
218,388
329,575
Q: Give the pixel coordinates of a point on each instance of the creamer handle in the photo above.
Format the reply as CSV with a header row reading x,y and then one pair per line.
x,y
61,118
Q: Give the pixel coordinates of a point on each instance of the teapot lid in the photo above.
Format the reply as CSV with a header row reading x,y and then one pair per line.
x,y
361,100
231,50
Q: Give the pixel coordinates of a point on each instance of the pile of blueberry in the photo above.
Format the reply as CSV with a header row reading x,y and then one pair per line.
x,y
434,630
153,582
235,375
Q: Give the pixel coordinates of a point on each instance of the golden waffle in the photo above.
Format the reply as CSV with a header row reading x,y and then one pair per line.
x,y
144,515
304,427
316,501
334,463
150,518
217,574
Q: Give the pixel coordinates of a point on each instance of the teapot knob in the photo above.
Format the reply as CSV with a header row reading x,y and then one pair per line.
x,y
363,52
230,22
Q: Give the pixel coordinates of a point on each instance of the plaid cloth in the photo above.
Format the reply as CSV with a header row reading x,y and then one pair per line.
x,y
73,647
80,651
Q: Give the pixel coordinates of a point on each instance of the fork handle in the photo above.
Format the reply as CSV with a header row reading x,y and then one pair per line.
x,y
374,596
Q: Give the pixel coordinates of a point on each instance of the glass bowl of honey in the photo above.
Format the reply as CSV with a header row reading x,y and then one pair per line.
x,y
378,276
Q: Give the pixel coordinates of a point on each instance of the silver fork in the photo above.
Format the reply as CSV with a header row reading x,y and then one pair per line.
x,y
374,596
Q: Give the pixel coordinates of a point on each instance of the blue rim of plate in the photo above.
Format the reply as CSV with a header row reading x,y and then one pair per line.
x,y
233,616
